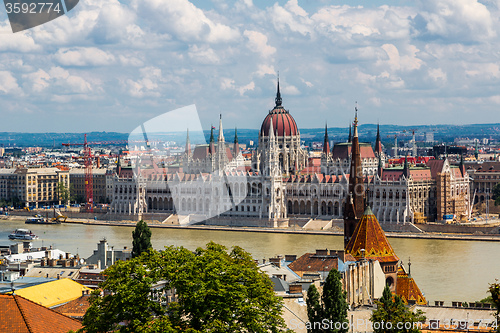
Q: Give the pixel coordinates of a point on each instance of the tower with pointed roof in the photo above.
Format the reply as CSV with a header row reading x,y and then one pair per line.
x,y
287,135
222,158
236,145
378,143
355,201
187,150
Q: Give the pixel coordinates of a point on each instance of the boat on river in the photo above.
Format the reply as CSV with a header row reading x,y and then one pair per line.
x,y
22,234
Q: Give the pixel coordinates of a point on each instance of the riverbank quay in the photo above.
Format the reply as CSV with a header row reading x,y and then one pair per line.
x,y
290,230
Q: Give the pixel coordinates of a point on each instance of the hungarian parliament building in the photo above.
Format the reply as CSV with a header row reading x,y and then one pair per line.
x,y
215,182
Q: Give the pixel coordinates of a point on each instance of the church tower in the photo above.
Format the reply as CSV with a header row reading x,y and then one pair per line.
x,y
355,201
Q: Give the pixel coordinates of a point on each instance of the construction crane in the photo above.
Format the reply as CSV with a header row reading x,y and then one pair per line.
x,y
87,156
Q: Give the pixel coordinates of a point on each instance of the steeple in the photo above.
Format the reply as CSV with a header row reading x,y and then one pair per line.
x,y
211,147
461,165
355,205
326,142
278,94
380,168
476,151
236,147
378,143
221,131
406,167
188,144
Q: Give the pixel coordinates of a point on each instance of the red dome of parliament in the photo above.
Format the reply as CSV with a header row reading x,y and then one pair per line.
x,y
283,122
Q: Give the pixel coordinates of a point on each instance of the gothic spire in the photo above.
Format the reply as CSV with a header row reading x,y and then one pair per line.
x,y
406,167
355,207
278,94
326,143
236,147
378,143
221,131
211,147
188,144
380,167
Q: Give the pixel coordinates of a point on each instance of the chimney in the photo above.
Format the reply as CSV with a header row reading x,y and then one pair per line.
x,y
295,289
322,252
341,255
68,255
275,261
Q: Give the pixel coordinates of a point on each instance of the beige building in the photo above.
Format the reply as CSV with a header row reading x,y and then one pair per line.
x,y
32,186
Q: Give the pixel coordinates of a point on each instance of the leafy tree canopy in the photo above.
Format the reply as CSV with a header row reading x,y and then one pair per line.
x,y
496,194
333,307
141,239
215,291
495,297
391,312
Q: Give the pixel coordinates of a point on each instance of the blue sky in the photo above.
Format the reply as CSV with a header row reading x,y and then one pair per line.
x,y
110,65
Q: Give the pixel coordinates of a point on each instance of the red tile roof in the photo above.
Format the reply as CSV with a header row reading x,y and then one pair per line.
x,y
407,288
311,262
370,237
343,150
75,308
19,315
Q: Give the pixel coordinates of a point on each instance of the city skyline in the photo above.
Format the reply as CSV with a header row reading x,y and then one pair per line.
x,y
112,66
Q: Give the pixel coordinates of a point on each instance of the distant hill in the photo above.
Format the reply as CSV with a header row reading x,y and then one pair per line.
x,y
367,133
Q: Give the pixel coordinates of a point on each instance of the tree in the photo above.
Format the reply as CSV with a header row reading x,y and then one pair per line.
x,y
141,239
333,308
215,291
63,193
314,309
334,302
393,315
496,194
495,297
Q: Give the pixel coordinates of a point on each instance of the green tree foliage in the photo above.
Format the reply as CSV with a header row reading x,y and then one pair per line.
x,y
333,307
141,239
63,193
496,194
495,297
216,291
391,312
334,301
314,309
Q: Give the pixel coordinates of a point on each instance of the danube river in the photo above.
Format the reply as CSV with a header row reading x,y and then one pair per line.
x,y
445,270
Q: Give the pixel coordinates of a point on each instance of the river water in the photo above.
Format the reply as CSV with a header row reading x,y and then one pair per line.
x,y
445,270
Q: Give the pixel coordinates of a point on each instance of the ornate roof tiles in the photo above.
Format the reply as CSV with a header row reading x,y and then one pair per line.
x,y
370,237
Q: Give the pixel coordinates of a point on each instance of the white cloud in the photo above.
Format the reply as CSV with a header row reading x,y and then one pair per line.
x,y
257,42
19,42
84,56
462,20
184,20
437,74
37,81
8,83
307,83
291,17
265,70
147,85
289,89
203,54
245,88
